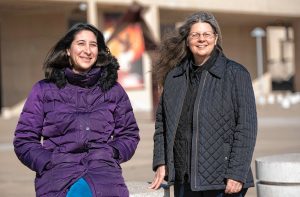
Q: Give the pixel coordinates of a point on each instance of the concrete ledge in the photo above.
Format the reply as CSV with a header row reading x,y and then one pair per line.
x,y
277,190
279,168
140,189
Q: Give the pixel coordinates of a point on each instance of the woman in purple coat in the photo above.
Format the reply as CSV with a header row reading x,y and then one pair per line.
x,y
77,125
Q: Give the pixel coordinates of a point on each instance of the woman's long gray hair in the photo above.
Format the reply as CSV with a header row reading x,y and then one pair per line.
x,y
174,49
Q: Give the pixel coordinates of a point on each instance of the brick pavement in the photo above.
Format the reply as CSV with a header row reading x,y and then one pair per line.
x,y
279,132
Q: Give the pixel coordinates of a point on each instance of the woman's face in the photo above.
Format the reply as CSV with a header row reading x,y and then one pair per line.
x,y
201,41
83,51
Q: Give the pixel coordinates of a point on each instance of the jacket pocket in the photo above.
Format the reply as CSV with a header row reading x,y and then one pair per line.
x,y
115,155
223,161
100,154
226,155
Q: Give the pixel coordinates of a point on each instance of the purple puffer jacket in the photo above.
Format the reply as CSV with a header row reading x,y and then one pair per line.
x,y
85,133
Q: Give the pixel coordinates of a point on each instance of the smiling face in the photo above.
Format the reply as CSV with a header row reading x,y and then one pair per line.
x,y
83,51
201,41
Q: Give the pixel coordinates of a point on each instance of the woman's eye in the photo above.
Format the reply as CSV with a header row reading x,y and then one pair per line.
x,y
94,45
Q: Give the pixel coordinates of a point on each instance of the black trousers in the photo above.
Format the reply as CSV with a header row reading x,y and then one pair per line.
x,y
184,190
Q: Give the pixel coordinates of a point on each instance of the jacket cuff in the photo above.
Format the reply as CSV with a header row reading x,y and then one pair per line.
x,y
116,154
157,163
235,177
118,149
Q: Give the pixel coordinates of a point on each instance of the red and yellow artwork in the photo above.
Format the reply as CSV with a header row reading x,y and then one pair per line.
x,y
128,47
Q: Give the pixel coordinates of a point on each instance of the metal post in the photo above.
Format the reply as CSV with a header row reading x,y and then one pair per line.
x,y
258,33
259,54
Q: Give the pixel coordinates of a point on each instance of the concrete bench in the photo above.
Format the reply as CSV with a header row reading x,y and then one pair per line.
x,y
278,175
140,189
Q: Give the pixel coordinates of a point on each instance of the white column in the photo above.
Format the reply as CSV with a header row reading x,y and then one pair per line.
x,y
151,17
152,20
92,12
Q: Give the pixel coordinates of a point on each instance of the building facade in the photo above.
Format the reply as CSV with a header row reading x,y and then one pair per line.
x,y
29,28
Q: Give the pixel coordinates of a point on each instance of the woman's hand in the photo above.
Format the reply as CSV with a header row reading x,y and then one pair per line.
x,y
159,177
233,186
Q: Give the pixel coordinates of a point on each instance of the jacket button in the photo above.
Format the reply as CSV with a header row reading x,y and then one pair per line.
x,y
87,128
226,158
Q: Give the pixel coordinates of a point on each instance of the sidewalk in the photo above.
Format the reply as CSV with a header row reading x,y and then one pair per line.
x,y
278,133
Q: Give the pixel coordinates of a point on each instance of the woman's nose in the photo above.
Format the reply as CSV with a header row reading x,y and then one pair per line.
x,y
87,49
201,37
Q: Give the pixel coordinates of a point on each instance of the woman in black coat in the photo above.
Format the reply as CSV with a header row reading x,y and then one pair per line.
x,y
206,120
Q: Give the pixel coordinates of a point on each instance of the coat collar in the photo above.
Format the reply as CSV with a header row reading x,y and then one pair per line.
x,y
217,69
181,69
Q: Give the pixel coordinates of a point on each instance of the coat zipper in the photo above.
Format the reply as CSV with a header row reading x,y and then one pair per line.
x,y
197,129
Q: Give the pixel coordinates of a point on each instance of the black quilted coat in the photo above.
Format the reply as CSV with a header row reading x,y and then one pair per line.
x,y
224,125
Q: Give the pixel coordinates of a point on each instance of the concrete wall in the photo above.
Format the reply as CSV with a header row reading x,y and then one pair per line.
x,y
25,41
141,99
240,46
288,8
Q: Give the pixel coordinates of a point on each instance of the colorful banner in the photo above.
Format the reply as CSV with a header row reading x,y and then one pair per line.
x,y
128,47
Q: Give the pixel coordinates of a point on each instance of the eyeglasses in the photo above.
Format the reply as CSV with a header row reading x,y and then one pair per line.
x,y
197,35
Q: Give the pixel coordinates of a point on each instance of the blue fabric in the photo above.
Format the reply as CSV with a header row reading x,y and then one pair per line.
x,y
80,188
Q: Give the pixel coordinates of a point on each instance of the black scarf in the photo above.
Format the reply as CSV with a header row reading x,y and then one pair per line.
x,y
86,80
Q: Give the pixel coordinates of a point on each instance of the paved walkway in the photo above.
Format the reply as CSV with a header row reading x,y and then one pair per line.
x,y
279,132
